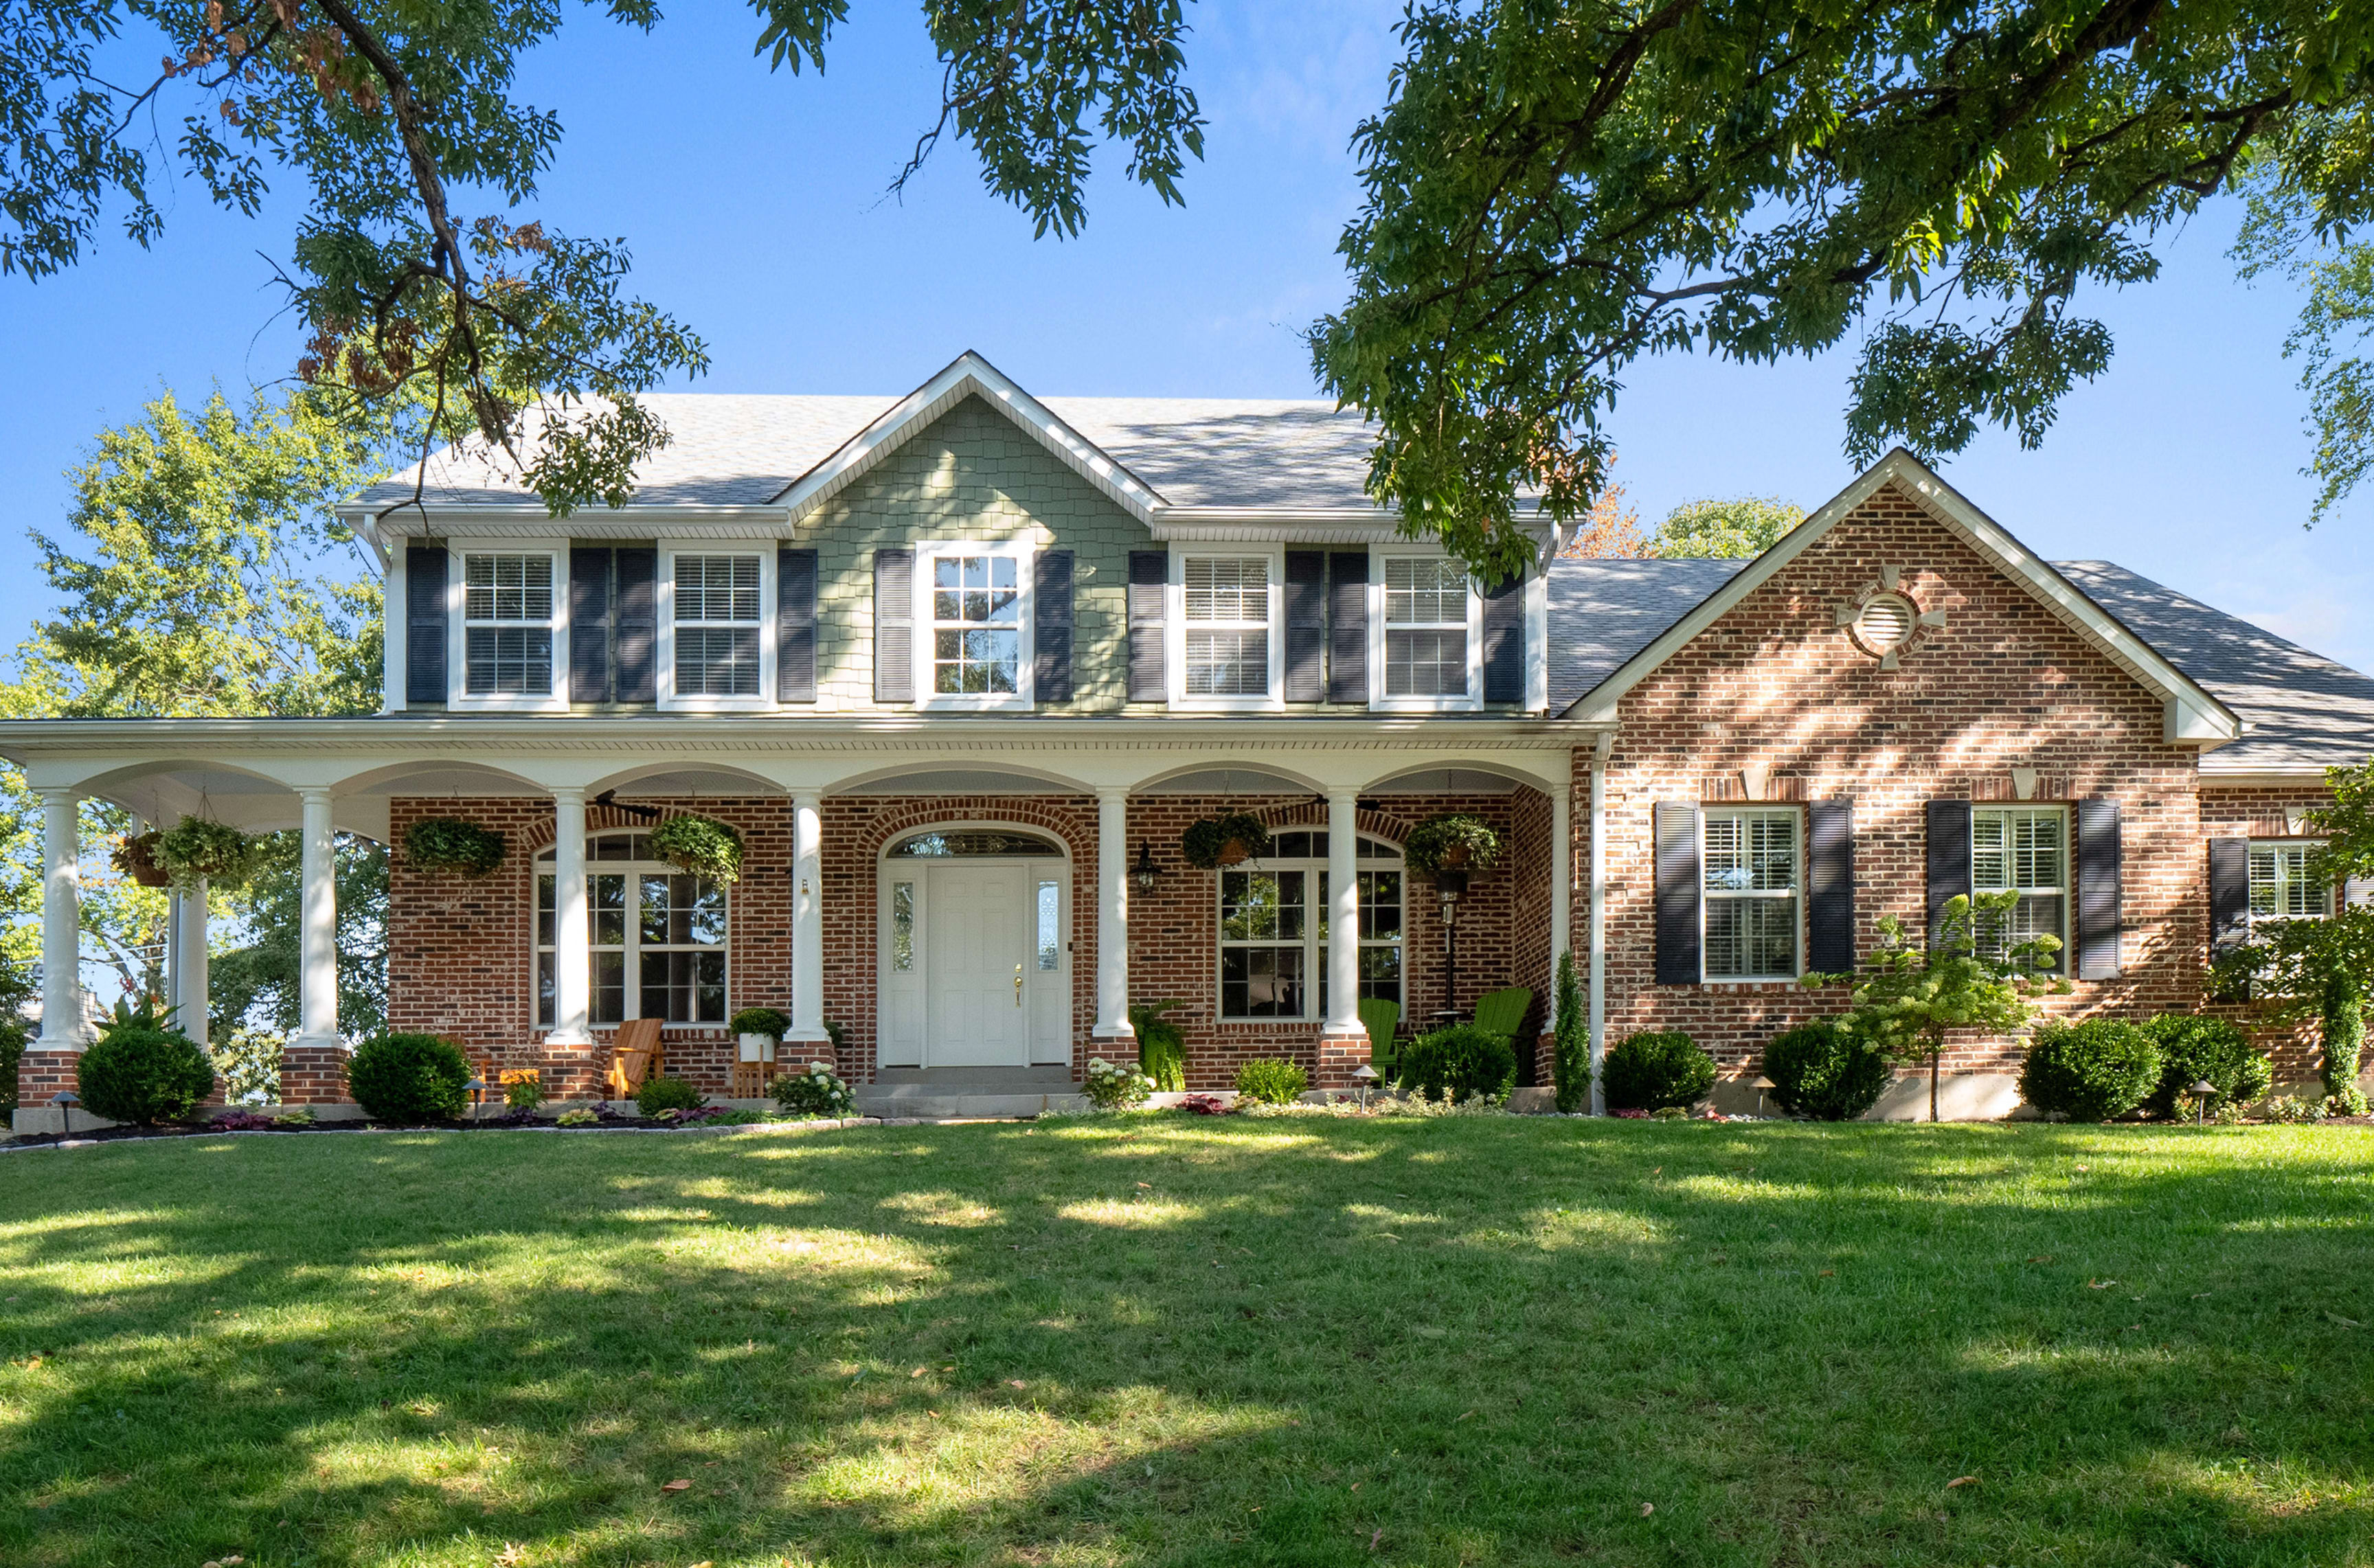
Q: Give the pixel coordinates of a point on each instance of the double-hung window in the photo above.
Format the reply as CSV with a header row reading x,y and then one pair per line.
x,y
1225,609
1274,928
508,608
717,626
2024,850
1752,864
658,936
973,606
2281,888
1426,627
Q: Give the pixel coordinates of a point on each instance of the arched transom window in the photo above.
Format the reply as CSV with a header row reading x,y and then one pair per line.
x,y
658,935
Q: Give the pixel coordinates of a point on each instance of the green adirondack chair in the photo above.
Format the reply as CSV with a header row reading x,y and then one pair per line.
x,y
1380,1018
1503,1013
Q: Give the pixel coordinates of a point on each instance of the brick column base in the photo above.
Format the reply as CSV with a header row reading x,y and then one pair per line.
x,y
573,1073
1338,1055
313,1075
41,1074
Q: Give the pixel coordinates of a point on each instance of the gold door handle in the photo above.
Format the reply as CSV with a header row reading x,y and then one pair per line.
x,y
1018,984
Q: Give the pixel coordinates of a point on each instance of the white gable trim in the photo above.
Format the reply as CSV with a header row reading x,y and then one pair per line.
x,y
969,375
2190,715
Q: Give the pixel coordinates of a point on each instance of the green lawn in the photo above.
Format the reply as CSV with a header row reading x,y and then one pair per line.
x,y
1195,1342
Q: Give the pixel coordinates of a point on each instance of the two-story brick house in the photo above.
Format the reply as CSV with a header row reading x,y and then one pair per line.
x,y
961,666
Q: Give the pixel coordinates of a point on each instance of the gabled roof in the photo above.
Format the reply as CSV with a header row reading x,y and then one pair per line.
x,y
1604,612
2190,713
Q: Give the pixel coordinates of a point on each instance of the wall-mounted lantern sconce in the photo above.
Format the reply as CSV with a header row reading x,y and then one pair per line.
x,y
1145,871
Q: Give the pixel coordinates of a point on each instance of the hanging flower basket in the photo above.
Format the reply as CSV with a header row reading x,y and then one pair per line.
x,y
194,848
1455,843
135,857
1224,840
449,844
702,846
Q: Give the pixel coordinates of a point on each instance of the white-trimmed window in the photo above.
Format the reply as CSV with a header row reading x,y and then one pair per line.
x,y
1752,863
659,936
510,626
1226,609
717,625
1426,635
973,610
2024,850
1273,920
2281,888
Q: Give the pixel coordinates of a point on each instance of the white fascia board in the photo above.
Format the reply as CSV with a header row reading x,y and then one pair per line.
x,y
2260,778
969,375
2201,721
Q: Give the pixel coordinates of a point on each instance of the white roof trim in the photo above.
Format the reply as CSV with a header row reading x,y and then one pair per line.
x,y
969,375
2190,715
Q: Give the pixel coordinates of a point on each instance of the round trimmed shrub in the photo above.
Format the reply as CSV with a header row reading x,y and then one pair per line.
x,y
2192,1049
139,1072
1654,1069
1459,1062
1273,1081
659,1094
2089,1071
409,1077
1824,1070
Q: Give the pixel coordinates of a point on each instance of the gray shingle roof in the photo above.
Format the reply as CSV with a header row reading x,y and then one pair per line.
x,y
2302,709
741,450
1604,612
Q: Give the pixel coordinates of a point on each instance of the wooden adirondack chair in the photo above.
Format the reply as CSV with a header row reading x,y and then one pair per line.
x,y
1380,1018
634,1057
1503,1013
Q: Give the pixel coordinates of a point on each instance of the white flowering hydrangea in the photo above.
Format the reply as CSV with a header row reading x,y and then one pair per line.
x,y
1113,1086
817,1091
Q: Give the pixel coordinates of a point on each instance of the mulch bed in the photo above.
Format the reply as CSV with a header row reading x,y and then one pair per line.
x,y
82,1136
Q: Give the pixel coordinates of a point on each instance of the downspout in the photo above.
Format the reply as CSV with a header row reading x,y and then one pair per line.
x,y
1599,918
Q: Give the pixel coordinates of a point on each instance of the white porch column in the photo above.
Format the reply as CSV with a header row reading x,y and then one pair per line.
x,y
1561,885
189,961
1112,916
317,982
808,917
62,1024
1342,915
1599,927
573,943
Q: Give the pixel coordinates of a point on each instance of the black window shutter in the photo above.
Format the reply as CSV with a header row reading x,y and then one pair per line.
x,y
424,624
1949,860
1305,625
1504,641
795,625
1149,576
589,624
894,625
2229,905
1051,627
2097,890
1347,640
638,647
1678,884
1830,887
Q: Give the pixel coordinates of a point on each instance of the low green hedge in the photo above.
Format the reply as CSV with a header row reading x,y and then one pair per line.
x,y
2193,1049
409,1079
1824,1070
139,1071
1461,1062
1651,1070
2089,1071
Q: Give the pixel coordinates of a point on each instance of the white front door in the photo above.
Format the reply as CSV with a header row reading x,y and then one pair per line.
x,y
977,947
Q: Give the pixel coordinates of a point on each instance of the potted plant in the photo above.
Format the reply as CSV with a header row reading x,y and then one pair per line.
x,y
1453,842
194,848
762,1030
1226,840
449,844
700,844
135,857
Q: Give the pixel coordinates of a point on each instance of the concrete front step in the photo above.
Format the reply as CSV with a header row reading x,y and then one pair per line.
x,y
872,1100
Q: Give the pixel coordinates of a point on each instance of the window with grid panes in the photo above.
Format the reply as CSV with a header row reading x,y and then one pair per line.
x,y
976,626
659,936
2281,888
1426,627
1750,859
2024,850
717,626
1226,612
1274,928
507,613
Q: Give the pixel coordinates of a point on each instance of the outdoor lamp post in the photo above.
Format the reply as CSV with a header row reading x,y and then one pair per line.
x,y
1448,886
65,1100
1364,1075
1763,1084
2203,1092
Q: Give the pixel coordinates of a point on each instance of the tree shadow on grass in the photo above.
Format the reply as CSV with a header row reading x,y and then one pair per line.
x,y
1186,1342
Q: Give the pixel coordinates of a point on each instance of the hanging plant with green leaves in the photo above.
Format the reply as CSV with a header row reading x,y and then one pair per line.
x,y
1224,840
1453,842
135,856
449,844
700,844
194,848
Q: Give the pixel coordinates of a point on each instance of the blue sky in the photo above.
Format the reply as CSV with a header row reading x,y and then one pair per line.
x,y
755,205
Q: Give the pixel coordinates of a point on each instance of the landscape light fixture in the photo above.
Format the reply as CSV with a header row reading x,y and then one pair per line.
x,y
2203,1092
65,1100
1364,1075
1763,1084
1145,871
477,1096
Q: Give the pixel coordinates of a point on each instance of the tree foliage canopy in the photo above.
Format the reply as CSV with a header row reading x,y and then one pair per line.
x,y
1733,530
